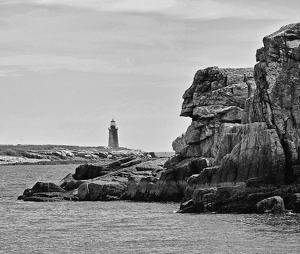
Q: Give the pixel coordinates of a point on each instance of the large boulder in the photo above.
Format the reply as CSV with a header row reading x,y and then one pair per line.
x,y
46,187
273,204
103,189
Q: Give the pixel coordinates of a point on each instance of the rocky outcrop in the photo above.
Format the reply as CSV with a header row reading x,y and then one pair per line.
x,y
168,184
216,97
217,92
102,189
276,100
105,181
47,192
250,127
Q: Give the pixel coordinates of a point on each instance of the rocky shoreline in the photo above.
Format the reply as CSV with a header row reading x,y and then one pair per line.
x,y
241,153
54,155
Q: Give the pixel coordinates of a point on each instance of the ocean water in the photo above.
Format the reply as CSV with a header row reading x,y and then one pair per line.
x,y
128,227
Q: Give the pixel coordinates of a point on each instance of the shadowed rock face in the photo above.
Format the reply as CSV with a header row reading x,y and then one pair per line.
x,y
276,100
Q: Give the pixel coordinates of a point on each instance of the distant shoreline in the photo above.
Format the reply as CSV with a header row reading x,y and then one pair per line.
x,y
66,154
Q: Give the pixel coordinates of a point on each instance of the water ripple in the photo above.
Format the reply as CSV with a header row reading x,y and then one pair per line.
x,y
129,227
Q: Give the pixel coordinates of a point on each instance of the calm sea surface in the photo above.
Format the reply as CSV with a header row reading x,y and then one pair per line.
x,y
128,227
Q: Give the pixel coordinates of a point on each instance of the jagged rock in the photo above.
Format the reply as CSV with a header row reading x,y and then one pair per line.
x,y
90,171
273,204
167,185
216,96
258,154
173,182
276,99
179,143
217,87
250,128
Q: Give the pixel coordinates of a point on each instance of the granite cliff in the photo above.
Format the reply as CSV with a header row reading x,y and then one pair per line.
x,y
254,150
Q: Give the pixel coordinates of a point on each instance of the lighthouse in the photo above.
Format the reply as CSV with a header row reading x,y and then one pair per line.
x,y
113,135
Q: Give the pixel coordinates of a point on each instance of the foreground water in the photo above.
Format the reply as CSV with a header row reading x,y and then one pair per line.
x,y
128,227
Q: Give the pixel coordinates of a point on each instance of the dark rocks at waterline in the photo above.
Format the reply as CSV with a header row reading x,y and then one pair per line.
x,y
47,192
273,204
96,182
269,199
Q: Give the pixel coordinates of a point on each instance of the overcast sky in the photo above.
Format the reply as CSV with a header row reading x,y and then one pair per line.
x,y
67,67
